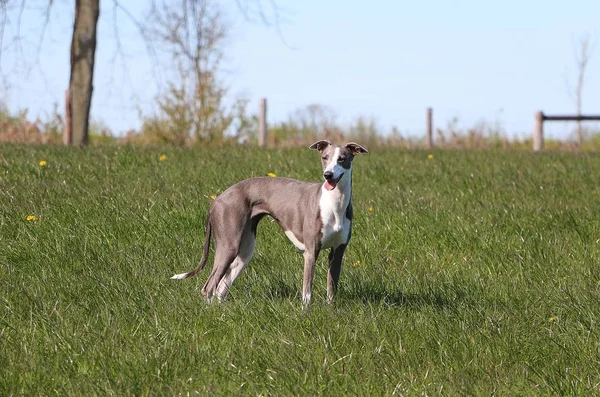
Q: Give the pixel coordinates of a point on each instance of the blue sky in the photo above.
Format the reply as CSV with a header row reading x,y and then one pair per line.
x,y
474,60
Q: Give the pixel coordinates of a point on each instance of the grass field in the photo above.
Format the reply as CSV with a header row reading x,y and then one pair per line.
x,y
468,273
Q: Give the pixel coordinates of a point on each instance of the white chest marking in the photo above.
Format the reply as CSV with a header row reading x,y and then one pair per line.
x,y
333,204
294,240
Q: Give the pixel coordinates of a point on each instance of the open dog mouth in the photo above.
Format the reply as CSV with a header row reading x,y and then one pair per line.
x,y
330,184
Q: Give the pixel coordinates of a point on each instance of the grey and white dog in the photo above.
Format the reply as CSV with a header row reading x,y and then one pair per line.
x,y
313,215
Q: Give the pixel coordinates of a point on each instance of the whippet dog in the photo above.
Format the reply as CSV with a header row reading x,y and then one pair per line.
x,y
313,215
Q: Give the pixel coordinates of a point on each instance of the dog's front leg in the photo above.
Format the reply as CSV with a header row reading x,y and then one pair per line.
x,y
310,258
335,268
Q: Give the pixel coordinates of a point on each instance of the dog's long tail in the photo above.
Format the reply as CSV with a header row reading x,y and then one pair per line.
x,y
207,236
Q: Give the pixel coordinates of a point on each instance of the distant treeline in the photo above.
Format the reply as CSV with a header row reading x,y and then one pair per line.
x,y
300,129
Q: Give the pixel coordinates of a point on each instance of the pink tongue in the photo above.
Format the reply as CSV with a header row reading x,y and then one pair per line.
x,y
330,185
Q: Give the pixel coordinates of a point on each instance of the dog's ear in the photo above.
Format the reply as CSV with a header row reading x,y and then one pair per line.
x,y
320,146
355,148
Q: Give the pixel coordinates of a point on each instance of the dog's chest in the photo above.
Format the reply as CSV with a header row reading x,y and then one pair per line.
x,y
335,225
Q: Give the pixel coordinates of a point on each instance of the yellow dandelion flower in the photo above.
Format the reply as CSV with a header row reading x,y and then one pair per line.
x,y
213,197
356,264
31,218
553,319
430,156
371,209
162,157
43,163
272,175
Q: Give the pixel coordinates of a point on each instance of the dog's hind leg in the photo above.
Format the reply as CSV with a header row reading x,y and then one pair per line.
x,y
228,225
224,258
239,263
226,250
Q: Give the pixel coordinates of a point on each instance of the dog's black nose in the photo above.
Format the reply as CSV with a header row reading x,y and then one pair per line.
x,y
328,175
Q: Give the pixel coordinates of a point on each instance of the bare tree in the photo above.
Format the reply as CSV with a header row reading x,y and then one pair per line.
x,y
582,58
194,34
83,50
192,28
83,53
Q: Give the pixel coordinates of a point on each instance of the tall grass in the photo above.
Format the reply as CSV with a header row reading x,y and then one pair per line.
x,y
468,273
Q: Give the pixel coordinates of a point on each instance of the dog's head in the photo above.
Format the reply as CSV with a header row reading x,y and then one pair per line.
x,y
336,160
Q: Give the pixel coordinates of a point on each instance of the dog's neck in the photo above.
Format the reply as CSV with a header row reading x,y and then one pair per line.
x,y
334,203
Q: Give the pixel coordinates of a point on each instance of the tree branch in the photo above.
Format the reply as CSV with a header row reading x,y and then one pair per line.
x,y
151,51
274,22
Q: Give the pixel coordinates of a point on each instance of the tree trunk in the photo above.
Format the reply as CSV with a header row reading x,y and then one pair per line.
x,y
83,50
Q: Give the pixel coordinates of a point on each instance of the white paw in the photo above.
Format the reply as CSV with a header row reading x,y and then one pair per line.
x,y
305,300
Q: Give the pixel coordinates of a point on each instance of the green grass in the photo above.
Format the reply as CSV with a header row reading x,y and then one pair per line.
x,y
468,273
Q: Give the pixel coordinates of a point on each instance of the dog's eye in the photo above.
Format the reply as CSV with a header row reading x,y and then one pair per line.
x,y
325,158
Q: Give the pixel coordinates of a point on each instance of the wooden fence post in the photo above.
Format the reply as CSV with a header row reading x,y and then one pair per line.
x,y
538,132
67,138
262,123
429,126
